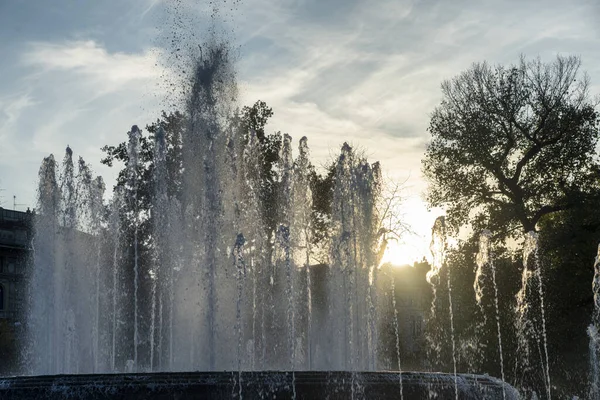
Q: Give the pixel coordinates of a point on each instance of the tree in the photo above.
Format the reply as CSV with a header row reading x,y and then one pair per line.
x,y
511,145
173,125
569,242
255,118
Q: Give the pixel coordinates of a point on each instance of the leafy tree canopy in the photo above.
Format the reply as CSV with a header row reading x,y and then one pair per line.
x,y
512,144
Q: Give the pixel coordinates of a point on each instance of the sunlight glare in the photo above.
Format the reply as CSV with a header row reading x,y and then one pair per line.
x,y
401,254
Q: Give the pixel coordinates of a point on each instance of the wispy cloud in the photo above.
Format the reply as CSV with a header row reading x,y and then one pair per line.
x,y
76,93
372,74
106,72
11,110
368,73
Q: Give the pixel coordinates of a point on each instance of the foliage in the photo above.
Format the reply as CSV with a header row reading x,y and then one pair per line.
x,y
255,118
512,144
173,125
569,243
321,187
513,150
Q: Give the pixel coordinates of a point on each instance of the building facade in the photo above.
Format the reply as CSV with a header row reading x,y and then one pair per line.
x,y
407,302
15,242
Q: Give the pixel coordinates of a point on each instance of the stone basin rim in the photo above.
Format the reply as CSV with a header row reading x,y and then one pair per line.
x,y
374,377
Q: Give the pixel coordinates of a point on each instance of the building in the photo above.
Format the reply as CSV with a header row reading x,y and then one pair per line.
x,y
15,240
408,302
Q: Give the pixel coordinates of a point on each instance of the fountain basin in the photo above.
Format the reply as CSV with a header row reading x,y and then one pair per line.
x,y
254,385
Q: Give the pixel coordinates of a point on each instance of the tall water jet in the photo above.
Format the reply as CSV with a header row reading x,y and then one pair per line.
x,y
176,251
204,143
284,242
439,248
114,226
240,265
68,211
433,277
64,270
43,310
531,322
182,317
292,228
301,246
91,192
370,193
160,272
97,215
133,152
594,334
397,336
249,184
486,271
351,271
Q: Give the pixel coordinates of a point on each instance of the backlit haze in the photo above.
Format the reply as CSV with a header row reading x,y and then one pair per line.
x,y
81,73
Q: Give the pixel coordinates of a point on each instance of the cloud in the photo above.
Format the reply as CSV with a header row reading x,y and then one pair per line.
x,y
372,75
11,108
106,72
76,93
334,71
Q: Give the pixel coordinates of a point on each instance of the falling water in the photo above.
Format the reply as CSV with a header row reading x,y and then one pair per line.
x,y
43,312
64,293
433,278
133,151
91,206
531,320
68,211
438,250
97,194
206,183
168,279
397,336
153,277
249,201
159,272
240,265
485,268
283,238
114,227
593,333
452,334
351,276
301,236
173,231
87,211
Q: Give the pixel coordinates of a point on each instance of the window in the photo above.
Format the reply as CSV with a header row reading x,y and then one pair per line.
x,y
10,265
1,297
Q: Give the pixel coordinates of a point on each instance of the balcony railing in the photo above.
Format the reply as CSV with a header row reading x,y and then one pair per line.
x,y
8,314
14,227
13,216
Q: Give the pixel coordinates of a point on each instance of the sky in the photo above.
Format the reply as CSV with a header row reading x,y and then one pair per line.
x,y
362,71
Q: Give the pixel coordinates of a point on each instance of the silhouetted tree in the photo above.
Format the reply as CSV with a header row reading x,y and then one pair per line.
x,y
255,118
514,149
512,144
569,243
173,125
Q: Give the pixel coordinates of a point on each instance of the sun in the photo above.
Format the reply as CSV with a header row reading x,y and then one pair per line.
x,y
401,253
413,244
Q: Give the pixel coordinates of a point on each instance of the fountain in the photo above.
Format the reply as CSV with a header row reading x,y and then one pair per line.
x,y
484,276
213,288
531,323
594,392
